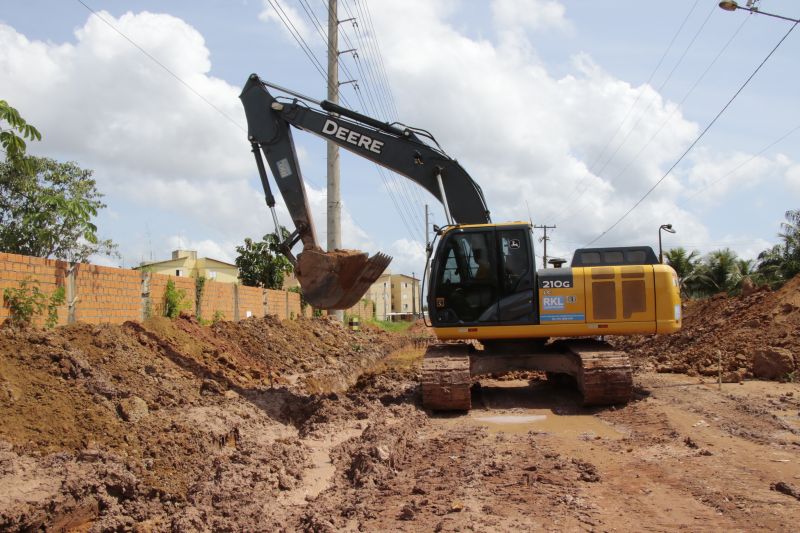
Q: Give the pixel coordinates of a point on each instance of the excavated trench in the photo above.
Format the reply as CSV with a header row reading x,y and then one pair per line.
x,y
302,425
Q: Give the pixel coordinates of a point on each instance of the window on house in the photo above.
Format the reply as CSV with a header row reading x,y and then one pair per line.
x,y
212,274
179,272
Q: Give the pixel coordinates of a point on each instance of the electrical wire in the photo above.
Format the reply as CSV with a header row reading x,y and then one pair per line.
x,y
743,163
659,89
670,116
639,94
403,206
702,134
163,66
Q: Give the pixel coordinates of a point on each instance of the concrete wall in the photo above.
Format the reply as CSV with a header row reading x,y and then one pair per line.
x,y
97,294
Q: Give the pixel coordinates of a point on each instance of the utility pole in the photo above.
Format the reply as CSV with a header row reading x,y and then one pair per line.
x,y
427,241
334,203
544,239
413,296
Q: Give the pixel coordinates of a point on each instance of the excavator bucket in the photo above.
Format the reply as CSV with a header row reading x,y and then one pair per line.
x,y
338,279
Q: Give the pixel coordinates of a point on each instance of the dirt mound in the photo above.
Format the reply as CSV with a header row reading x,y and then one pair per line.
x,y
757,334
170,425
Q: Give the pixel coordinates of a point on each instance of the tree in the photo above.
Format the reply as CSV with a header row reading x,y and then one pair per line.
x,y
261,264
719,272
12,136
781,263
46,210
790,235
685,264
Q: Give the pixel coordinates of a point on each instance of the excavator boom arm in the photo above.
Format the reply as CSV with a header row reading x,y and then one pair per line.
x,y
337,279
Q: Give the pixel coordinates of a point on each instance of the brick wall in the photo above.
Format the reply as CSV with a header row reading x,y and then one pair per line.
x,y
114,295
217,298
49,273
107,294
363,309
251,300
158,286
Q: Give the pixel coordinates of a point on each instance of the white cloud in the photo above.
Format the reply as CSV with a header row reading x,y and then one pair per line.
x,y
204,248
296,21
713,174
793,179
529,14
408,256
526,135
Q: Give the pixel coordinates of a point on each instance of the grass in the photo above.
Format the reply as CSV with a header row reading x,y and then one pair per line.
x,y
393,327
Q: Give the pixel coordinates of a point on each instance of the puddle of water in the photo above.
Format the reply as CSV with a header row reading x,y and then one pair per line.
x,y
575,426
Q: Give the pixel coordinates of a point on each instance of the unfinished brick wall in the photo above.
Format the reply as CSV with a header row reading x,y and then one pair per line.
x,y
49,273
364,309
217,301
283,304
114,295
158,286
251,300
106,294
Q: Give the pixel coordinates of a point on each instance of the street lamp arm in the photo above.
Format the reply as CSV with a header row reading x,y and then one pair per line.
x,y
733,6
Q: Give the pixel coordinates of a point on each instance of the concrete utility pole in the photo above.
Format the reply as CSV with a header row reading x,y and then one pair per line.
x,y
334,203
544,239
413,296
427,240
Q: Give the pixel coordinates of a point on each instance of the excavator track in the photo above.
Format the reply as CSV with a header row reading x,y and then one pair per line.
x,y
446,379
605,376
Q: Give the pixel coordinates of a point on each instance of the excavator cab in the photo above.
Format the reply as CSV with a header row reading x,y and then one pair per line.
x,y
483,275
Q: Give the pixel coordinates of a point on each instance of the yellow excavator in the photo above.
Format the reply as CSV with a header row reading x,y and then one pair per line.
x,y
482,280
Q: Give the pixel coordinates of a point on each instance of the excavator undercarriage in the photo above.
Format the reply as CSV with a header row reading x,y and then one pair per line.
x,y
602,373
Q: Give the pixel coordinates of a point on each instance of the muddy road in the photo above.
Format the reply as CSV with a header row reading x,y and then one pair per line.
x,y
263,426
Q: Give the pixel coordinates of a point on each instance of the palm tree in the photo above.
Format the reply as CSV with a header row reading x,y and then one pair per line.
x,y
791,244
718,272
685,264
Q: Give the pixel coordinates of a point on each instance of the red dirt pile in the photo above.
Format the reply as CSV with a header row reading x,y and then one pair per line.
x,y
757,335
165,425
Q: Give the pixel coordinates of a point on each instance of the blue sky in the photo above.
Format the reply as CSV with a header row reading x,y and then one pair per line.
x,y
528,95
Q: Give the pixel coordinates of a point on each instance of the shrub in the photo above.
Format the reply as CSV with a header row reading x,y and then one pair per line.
x,y
174,300
28,301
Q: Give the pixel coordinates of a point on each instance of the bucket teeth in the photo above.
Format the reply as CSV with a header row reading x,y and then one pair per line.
x,y
332,281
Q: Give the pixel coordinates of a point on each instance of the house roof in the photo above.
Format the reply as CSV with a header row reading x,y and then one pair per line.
x,y
182,260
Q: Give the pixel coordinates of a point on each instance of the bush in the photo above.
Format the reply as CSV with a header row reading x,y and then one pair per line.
x,y
28,301
174,300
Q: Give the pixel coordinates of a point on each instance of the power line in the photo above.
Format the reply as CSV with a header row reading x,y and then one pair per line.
x,y
403,205
672,113
745,162
660,88
691,146
636,101
163,66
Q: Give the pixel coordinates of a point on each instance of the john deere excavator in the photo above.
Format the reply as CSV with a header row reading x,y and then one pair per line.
x,y
482,281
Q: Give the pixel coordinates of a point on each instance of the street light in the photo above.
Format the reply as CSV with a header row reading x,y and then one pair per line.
x,y
668,229
730,5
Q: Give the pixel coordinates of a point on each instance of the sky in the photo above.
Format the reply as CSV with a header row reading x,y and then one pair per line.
x,y
565,112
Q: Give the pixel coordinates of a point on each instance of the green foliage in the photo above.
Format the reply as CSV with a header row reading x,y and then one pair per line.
x,y
219,316
199,287
48,211
684,263
303,303
387,325
13,134
261,264
28,301
174,300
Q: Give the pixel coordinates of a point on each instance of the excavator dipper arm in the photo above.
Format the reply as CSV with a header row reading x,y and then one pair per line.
x,y
338,279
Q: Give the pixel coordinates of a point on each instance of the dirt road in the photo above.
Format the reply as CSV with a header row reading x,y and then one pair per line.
x,y
682,456
173,426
